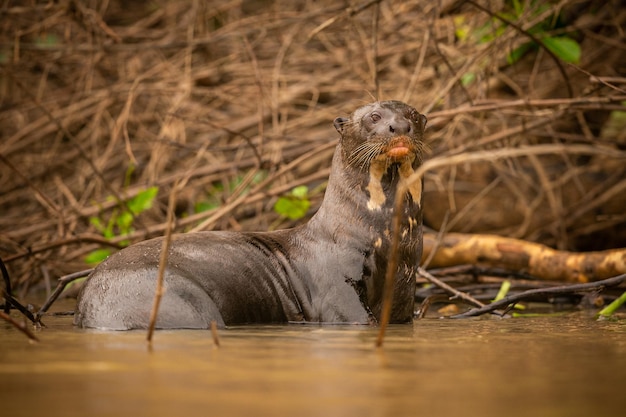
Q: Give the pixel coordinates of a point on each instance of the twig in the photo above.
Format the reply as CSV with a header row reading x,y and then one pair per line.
x,y
62,283
375,20
22,328
165,248
63,242
349,12
438,240
455,293
48,203
7,285
428,301
12,301
476,270
562,289
214,334
390,274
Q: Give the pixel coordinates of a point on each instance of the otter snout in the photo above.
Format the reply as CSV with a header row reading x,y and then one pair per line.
x,y
399,126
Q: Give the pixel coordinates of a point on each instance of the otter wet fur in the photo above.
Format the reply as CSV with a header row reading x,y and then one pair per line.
x,y
329,270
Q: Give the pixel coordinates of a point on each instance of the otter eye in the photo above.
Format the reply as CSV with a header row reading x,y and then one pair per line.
x,y
375,117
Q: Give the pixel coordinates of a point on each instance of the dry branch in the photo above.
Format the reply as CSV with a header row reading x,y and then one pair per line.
x,y
534,259
564,289
19,326
165,249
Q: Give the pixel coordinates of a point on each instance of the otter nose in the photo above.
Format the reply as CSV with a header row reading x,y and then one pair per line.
x,y
399,126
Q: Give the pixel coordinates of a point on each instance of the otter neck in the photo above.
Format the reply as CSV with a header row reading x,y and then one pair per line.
x,y
365,196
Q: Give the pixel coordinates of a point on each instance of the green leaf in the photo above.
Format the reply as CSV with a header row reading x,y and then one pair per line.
x,y
124,222
518,8
609,310
143,201
97,223
295,204
567,49
97,256
300,191
47,40
129,174
75,282
468,78
202,206
291,207
461,28
504,290
519,52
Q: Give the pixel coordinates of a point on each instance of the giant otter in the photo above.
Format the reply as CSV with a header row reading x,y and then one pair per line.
x,y
329,270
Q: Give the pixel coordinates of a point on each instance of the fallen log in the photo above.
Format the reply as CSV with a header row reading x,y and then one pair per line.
x,y
532,258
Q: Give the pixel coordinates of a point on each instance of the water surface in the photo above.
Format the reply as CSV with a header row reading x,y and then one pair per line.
x,y
556,366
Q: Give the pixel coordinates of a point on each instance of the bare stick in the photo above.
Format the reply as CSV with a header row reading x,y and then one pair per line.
x,y
63,242
375,19
7,285
63,281
392,266
165,248
10,300
349,12
562,289
214,334
19,326
455,293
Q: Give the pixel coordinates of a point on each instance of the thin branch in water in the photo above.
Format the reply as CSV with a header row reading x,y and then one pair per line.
x,y
21,327
10,300
214,334
7,285
455,293
165,248
62,283
562,289
390,275
428,301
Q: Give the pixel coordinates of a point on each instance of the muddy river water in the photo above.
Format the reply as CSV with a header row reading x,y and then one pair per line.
x,y
552,366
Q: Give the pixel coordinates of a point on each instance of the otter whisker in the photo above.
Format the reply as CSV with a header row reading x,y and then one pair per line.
x,y
365,153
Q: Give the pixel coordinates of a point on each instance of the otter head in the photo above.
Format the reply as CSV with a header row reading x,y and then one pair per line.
x,y
385,139
388,132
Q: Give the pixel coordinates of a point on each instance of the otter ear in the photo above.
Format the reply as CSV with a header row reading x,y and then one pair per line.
x,y
339,122
422,122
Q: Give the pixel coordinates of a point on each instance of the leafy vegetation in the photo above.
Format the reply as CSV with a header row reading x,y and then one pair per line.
x,y
216,192
120,222
562,46
609,310
295,204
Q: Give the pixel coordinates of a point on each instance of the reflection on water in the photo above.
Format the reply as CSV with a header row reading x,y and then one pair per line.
x,y
559,366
